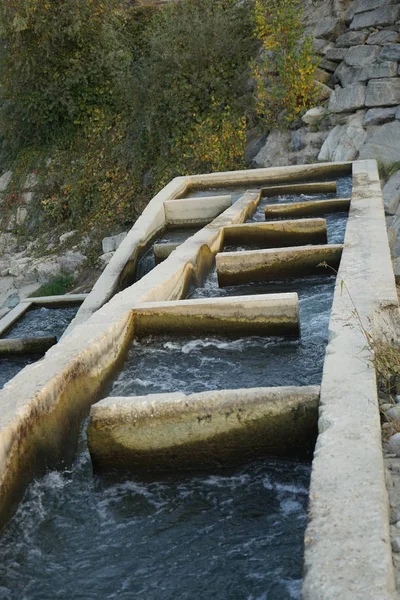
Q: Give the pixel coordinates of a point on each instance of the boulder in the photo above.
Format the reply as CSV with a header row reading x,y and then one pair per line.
x,y
390,52
349,75
66,236
110,244
344,141
105,259
347,99
378,116
391,194
314,115
323,92
382,143
351,38
379,17
321,46
383,92
328,65
384,37
71,261
335,54
323,77
364,5
398,113
275,150
360,56
31,181
329,29
5,180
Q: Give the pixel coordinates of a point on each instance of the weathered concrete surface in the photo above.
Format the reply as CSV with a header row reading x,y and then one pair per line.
x,y
277,234
266,265
309,208
209,429
263,314
163,250
347,542
26,345
195,211
42,407
328,187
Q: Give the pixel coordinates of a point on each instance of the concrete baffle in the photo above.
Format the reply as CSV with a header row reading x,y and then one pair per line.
x,y
277,234
267,265
309,208
325,187
262,314
38,345
195,211
208,429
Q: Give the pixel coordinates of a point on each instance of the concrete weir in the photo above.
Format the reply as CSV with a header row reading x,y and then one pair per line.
x,y
234,268
277,234
347,543
309,208
264,314
328,187
209,429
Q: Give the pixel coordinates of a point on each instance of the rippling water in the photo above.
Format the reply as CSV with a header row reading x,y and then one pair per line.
x,y
234,534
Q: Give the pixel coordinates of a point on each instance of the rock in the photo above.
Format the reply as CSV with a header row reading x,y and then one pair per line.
x,y
351,38
383,37
314,115
111,243
335,54
382,16
390,52
12,301
378,116
349,75
386,407
383,92
71,261
391,194
66,236
347,99
298,142
344,141
275,150
323,76
47,269
8,243
21,215
360,56
321,46
398,113
323,92
364,5
393,413
394,447
5,180
397,399
105,258
254,143
395,540
330,29
31,181
27,197
328,65
383,143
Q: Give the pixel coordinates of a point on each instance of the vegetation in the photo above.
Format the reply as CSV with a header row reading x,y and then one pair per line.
x,y
57,286
111,100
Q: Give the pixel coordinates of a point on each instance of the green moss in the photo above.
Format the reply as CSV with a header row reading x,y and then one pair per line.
x,y
55,287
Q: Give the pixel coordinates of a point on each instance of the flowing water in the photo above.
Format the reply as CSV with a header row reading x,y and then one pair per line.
x,y
39,322
230,535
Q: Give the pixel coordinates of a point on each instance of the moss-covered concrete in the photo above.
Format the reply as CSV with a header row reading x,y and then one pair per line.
x,y
267,265
309,208
174,431
277,234
26,345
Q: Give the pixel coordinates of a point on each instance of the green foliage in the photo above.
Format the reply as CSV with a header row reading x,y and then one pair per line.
x,y
285,74
58,286
62,60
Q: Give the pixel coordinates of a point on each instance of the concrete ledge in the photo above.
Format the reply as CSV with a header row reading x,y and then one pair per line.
x,y
264,314
209,429
277,234
195,211
163,250
309,208
266,265
328,187
38,345
347,542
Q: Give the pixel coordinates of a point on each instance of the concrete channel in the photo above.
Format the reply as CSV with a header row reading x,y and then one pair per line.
x,y
347,542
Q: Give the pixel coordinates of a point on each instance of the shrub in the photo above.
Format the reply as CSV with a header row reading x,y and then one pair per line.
x,y
62,59
285,73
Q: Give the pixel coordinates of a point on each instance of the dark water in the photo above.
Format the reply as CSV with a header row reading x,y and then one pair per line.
x,y
39,322
229,535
